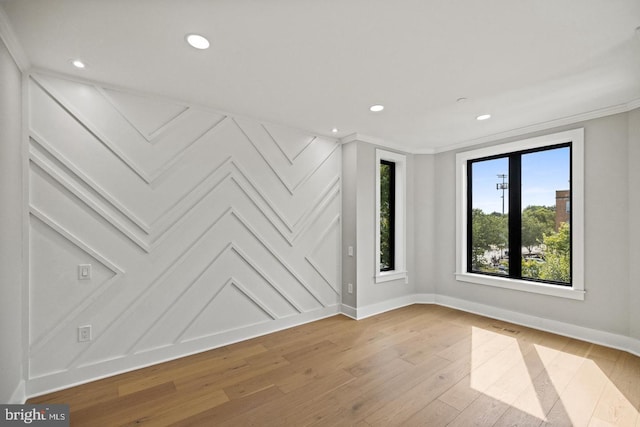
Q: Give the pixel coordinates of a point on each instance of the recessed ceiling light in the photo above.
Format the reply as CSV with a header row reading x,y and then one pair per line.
x,y
376,108
197,41
334,130
78,64
483,117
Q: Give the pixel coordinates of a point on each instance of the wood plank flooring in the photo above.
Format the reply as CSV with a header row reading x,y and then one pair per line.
x,y
422,365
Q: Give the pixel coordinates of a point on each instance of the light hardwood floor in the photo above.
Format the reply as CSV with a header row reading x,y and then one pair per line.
x,y
422,365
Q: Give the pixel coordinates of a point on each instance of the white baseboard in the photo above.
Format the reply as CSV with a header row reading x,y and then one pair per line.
x,y
57,381
425,298
609,339
107,368
381,307
349,311
19,395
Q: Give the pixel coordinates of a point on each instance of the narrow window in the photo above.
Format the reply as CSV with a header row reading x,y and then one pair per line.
x,y
387,215
390,230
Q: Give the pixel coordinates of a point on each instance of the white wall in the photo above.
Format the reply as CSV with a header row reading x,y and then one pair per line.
x,y
201,229
634,222
607,188
349,222
11,247
204,229
373,297
427,247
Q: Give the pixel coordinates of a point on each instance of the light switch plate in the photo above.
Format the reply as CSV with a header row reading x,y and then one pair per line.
x,y
84,333
84,271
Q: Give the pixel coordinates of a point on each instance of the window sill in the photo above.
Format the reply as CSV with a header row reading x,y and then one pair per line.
x,y
522,285
387,276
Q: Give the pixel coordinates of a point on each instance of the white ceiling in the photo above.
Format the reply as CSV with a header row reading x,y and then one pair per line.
x,y
319,64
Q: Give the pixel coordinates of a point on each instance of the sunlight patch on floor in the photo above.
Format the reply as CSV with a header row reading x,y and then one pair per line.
x,y
549,384
505,376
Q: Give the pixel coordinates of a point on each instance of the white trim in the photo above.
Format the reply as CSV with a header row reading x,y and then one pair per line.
x,y
576,291
349,311
522,285
399,271
55,382
536,127
425,298
10,40
632,105
609,339
564,121
375,141
381,307
19,395
388,276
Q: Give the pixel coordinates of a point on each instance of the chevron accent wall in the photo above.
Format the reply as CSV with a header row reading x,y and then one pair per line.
x,y
201,229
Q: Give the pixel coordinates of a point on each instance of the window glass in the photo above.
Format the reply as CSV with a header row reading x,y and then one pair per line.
x,y
518,221
490,216
545,194
387,215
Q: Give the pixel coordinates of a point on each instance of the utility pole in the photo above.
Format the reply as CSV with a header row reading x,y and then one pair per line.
x,y
502,186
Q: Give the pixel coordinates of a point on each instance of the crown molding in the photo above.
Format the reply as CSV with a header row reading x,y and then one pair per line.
x,y
10,40
569,120
376,141
632,105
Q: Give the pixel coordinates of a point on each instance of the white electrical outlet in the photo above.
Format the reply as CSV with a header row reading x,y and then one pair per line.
x,y
84,271
350,250
350,288
84,333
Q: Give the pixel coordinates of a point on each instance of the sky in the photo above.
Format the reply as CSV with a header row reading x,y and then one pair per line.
x,y
543,173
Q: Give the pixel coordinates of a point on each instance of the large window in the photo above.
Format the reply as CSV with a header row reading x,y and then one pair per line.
x,y
516,226
390,216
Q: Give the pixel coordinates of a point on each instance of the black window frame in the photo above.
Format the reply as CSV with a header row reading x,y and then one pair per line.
x,y
515,205
392,215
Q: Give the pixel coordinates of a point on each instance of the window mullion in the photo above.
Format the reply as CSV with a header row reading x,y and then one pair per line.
x,y
515,216
469,195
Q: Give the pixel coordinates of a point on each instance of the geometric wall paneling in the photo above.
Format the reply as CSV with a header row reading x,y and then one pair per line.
x,y
325,254
291,174
168,326
291,142
123,221
172,210
219,311
56,291
84,153
57,298
148,116
226,227
87,105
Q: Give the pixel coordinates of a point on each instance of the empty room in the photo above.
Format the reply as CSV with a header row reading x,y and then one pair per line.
x,y
298,212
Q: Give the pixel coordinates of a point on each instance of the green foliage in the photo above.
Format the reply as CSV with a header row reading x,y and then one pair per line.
x,y
489,232
536,222
557,255
385,217
531,268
